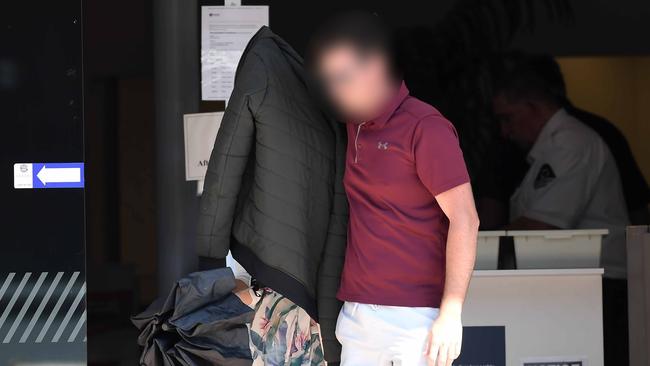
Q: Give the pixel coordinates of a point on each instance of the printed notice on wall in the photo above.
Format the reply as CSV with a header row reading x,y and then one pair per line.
x,y
200,133
225,32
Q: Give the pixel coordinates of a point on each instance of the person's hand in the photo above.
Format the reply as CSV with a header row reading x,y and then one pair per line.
x,y
244,292
445,339
240,285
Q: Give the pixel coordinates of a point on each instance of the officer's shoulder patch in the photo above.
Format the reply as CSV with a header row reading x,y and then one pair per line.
x,y
544,176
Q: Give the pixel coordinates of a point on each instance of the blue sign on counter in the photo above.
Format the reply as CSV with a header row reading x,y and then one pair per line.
x,y
483,345
48,175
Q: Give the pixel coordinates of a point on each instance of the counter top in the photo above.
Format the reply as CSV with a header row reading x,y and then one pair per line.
x,y
539,272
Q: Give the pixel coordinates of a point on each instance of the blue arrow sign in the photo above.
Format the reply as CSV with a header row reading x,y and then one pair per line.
x,y
48,175
58,175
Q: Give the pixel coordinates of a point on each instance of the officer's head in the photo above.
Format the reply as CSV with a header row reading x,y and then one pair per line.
x,y
352,57
528,90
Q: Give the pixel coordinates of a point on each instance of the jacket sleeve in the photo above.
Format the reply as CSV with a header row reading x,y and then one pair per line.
x,y
228,160
329,275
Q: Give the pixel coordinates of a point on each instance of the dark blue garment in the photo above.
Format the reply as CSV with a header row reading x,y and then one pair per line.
x,y
219,326
200,322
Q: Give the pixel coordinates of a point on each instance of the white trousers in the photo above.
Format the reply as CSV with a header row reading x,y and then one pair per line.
x,y
378,335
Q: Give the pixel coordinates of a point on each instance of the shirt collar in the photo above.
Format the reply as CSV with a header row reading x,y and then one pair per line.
x,y
552,125
392,106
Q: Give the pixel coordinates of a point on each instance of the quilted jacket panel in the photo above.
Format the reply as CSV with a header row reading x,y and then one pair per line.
x,y
273,192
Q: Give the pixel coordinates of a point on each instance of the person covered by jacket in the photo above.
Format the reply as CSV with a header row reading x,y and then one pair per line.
x,y
412,220
273,193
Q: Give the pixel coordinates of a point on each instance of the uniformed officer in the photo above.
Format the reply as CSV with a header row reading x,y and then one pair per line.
x,y
572,181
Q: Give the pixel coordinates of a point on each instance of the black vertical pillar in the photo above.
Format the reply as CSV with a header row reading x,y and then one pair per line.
x,y
177,88
42,220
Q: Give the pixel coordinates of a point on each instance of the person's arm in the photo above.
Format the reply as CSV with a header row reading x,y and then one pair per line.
x,y
441,168
445,337
561,184
228,161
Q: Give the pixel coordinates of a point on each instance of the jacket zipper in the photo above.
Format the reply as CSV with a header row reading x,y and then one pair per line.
x,y
356,138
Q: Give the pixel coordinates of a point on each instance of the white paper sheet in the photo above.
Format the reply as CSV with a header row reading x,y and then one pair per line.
x,y
225,31
200,133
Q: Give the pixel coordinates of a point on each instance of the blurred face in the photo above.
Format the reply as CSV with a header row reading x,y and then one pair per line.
x,y
519,120
358,84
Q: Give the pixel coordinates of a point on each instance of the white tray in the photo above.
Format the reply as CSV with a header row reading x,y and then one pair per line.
x,y
540,249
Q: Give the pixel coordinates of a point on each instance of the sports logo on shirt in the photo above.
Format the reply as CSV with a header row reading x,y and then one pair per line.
x,y
544,177
382,145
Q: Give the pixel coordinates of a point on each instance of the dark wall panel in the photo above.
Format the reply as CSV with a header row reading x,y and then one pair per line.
x,y
42,255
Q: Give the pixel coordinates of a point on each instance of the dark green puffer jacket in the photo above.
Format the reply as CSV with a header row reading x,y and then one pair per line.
x,y
273,192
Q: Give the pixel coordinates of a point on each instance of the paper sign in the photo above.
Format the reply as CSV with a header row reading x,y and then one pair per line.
x,y
48,175
200,132
225,32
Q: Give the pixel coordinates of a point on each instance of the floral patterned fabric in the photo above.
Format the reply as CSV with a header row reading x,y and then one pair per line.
x,y
282,334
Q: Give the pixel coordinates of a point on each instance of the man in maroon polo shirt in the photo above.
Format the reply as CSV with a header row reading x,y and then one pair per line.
x,y
413,224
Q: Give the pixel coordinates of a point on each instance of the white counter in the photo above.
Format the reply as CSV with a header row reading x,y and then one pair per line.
x,y
546,312
538,272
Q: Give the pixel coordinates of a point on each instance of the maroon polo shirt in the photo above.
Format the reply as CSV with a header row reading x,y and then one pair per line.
x,y
395,166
